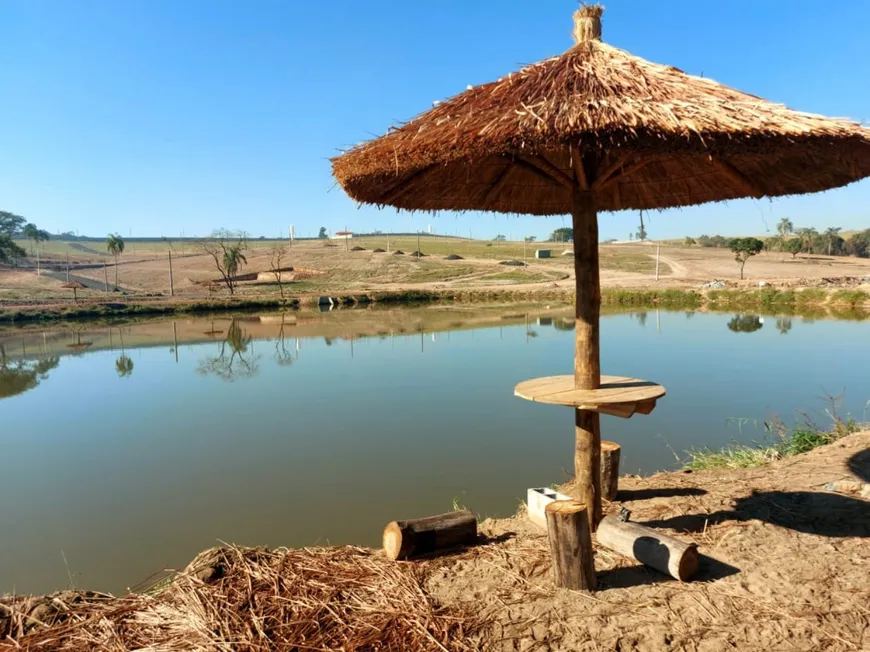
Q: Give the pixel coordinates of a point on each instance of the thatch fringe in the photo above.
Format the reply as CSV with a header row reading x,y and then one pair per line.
x,y
237,599
648,136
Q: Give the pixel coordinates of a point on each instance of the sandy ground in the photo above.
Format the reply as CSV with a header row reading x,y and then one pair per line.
x,y
785,567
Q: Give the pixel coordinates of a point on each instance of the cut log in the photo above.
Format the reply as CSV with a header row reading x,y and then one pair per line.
x,y
651,548
609,469
423,536
571,545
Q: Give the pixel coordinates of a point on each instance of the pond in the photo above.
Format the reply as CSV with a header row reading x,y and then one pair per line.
x,y
128,449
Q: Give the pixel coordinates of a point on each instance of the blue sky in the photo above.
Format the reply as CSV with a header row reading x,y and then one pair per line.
x,y
154,117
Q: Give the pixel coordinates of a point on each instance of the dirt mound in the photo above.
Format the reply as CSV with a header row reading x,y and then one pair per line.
x,y
357,248
378,251
398,252
418,254
513,263
453,257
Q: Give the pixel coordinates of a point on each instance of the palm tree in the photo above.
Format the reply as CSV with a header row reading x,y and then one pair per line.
x,y
115,246
832,233
234,259
785,228
806,235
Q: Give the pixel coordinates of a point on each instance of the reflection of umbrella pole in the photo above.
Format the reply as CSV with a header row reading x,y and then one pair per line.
x,y
658,321
175,339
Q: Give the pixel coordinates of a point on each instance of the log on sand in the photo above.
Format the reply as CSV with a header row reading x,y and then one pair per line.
x,y
422,536
609,469
651,548
570,539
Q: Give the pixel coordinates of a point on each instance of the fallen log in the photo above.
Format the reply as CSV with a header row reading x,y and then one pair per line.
x,y
423,536
651,548
570,545
609,469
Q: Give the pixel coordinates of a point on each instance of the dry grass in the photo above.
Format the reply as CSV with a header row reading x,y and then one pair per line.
x,y
639,134
254,599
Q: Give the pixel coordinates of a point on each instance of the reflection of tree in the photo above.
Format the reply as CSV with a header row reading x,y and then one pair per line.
x,y
19,376
783,325
641,318
282,356
745,323
124,366
690,314
241,363
563,324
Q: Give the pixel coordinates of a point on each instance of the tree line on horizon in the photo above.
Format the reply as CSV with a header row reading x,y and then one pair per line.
x,y
796,240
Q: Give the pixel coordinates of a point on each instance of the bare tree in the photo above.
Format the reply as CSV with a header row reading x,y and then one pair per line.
x,y
226,249
276,263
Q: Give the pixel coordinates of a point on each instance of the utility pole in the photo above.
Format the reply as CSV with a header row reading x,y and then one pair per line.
x,y
658,252
346,242
171,286
38,269
419,253
67,268
106,275
525,265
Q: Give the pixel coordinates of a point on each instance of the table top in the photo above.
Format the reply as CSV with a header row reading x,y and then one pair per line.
x,y
560,390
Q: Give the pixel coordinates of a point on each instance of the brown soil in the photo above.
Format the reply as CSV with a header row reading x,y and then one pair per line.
x,y
784,567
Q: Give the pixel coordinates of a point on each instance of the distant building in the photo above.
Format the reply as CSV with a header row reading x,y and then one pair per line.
x,y
342,235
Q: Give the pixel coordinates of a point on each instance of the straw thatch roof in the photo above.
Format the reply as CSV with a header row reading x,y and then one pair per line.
x,y
643,135
74,285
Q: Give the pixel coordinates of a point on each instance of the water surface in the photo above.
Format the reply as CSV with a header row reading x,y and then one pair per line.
x,y
124,453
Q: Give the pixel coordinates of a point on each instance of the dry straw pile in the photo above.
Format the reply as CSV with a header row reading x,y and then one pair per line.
x,y
253,599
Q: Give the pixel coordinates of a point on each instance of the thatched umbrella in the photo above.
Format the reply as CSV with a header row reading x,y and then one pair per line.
x,y
75,286
598,129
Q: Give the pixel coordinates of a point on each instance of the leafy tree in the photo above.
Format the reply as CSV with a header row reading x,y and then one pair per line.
x,y
531,238
792,246
10,223
744,249
9,250
226,249
35,235
785,228
322,234
115,246
690,241
565,234
499,238
806,236
641,233
772,243
630,237
745,324
832,234
858,245
23,375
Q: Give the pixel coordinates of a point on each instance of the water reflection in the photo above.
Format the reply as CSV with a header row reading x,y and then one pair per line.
x,y
19,376
745,323
240,364
783,325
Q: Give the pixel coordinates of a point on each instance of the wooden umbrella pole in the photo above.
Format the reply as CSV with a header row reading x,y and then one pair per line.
x,y
587,363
